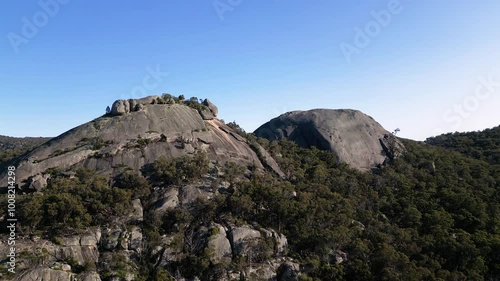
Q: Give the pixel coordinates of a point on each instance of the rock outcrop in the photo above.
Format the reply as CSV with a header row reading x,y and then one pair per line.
x,y
288,271
243,238
219,245
47,274
38,182
169,199
213,109
55,260
137,132
120,107
355,137
132,139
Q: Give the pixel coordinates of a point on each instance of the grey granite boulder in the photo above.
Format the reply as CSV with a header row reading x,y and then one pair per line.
x,y
219,245
288,271
206,115
120,107
168,200
211,107
354,136
38,182
242,238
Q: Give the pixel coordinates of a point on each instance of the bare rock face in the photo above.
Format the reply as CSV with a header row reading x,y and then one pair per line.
x,y
120,107
207,115
213,109
354,136
279,240
243,238
219,244
133,104
133,139
392,147
92,276
168,200
191,192
47,274
147,100
137,211
82,249
338,256
38,182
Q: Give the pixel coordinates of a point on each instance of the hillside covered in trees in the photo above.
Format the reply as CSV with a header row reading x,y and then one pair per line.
x,y
484,145
432,214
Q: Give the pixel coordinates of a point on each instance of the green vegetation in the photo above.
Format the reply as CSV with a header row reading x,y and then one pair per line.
x,y
432,214
135,183
193,102
179,170
63,151
232,171
119,267
237,129
72,204
94,143
483,145
141,142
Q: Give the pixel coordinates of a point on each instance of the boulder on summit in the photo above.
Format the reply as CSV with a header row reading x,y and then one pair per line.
x,y
138,132
120,107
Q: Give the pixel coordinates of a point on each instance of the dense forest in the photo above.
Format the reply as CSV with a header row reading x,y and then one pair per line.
x,y
432,214
483,145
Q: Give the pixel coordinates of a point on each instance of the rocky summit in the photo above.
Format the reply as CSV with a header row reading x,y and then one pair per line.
x,y
159,188
136,132
133,137
138,164
356,138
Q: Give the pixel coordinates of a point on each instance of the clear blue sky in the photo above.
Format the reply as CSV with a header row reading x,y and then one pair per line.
x,y
420,71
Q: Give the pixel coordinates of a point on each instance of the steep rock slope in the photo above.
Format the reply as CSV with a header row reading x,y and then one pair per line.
x,y
133,139
355,137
